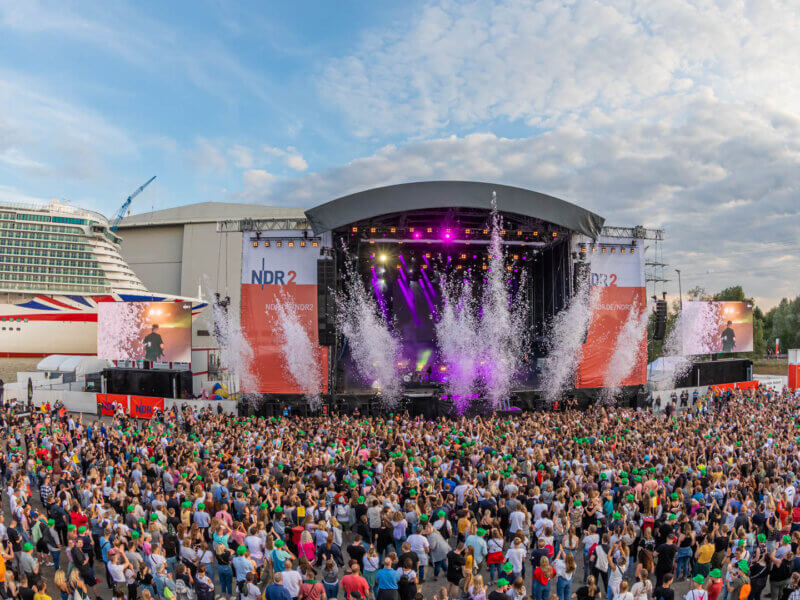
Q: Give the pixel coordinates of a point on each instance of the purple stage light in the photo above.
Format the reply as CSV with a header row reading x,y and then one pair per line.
x,y
474,256
372,255
417,235
447,236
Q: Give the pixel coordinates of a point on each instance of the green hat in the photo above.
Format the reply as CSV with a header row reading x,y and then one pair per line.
x,y
279,543
741,542
577,503
135,534
186,504
241,550
153,517
761,538
441,513
71,527
130,508
82,529
423,518
672,517
786,539
630,497
699,579
616,515
715,573
141,520
263,505
674,495
361,499
27,547
201,506
508,568
51,522
502,581
278,509
481,531
743,566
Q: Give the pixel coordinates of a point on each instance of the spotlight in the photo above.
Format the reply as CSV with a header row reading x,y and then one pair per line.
x,y
459,267
622,250
411,229
485,232
508,268
613,250
463,257
443,368
474,256
372,255
430,230
355,229
382,258
291,244
427,255
502,232
302,244
255,244
417,235
555,234
603,250
535,234
466,231
314,244
278,244
516,257
594,249
484,267
447,236
583,249
266,244
393,230
372,241
519,232
372,230
632,250
424,266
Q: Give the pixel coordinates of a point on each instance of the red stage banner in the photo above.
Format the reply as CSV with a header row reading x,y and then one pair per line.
x,y
106,403
142,407
618,294
282,272
747,385
723,386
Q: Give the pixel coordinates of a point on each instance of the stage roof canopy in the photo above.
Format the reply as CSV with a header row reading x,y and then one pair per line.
x,y
451,194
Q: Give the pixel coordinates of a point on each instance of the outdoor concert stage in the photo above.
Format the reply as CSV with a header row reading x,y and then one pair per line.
x,y
403,241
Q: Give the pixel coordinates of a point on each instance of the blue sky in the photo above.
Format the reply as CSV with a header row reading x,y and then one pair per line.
x,y
668,113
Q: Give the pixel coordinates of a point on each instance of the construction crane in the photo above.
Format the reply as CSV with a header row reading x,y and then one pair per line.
x,y
127,203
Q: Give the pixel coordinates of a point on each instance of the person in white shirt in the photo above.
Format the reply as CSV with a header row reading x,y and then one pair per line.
x,y
516,520
419,545
697,592
291,579
516,556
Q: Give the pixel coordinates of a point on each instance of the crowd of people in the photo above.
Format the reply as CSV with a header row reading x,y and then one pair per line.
x,y
606,503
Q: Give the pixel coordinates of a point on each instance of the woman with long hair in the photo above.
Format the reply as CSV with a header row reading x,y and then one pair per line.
x,y
564,566
541,579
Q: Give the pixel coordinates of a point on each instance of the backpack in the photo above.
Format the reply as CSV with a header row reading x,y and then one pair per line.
x,y
183,591
744,591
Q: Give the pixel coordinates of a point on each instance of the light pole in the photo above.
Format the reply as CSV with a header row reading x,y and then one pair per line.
x,y
680,292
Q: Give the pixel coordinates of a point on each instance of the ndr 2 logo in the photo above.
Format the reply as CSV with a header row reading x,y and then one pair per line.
x,y
264,276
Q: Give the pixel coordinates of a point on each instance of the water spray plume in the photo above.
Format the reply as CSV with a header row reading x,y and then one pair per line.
x,y
627,352
373,346
565,343
301,356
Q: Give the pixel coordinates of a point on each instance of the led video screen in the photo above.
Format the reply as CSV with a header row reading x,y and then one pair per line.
x,y
151,331
714,327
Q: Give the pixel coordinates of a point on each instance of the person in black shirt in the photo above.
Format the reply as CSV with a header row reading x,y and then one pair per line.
x,y
356,550
665,559
500,592
455,563
728,337
664,591
153,345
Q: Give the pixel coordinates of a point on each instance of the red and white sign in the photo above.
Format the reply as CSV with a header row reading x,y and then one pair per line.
x,y
108,403
270,273
618,284
143,407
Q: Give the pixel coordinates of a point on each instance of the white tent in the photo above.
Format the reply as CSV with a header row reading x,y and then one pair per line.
x,y
80,365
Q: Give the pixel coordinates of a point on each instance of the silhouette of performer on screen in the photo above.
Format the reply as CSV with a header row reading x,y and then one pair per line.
x,y
153,345
728,338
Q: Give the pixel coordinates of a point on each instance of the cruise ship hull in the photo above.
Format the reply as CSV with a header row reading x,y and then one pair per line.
x,y
40,325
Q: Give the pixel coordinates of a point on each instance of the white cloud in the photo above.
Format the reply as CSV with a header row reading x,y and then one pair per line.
x,y
43,135
257,180
242,156
296,162
544,63
291,157
207,156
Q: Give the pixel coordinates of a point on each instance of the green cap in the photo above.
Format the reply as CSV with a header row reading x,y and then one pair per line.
x,y
135,534
674,495
577,503
441,513
361,499
481,531
502,581
279,543
741,543
761,538
508,568
130,508
82,529
51,522
186,504
699,579
423,518
27,547
278,509
153,517
241,550
743,566
630,498
71,527
715,573
786,539
201,506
